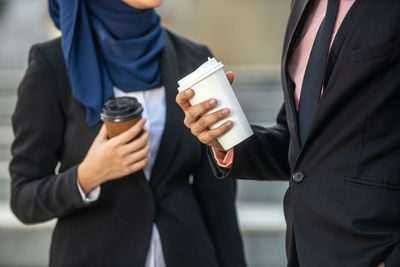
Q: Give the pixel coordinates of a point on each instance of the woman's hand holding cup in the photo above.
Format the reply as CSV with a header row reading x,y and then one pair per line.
x,y
109,159
198,123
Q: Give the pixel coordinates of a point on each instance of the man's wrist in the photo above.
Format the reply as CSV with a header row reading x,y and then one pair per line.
x,y
223,158
219,149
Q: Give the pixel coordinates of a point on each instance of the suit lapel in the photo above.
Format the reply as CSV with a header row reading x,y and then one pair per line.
x,y
292,31
341,35
334,61
174,117
292,27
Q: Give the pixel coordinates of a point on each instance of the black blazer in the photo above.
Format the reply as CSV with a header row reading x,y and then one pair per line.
x,y
342,206
197,222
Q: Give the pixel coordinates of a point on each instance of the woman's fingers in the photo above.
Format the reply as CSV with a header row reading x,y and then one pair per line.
x,y
136,144
210,137
138,165
102,135
138,155
129,134
182,99
205,122
195,112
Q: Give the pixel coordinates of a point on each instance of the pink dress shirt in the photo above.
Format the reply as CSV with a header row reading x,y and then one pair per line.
x,y
298,61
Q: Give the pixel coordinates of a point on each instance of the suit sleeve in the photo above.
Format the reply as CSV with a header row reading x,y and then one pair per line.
x,y
37,193
217,200
263,156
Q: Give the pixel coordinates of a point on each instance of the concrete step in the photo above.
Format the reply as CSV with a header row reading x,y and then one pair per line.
x,y
4,190
6,135
4,182
25,248
4,174
261,191
265,250
7,105
10,80
263,230
30,243
261,217
5,153
5,120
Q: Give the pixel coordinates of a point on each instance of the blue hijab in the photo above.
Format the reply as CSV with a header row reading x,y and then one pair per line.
x,y
107,43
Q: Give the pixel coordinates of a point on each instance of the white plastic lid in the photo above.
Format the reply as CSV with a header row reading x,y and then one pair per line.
x,y
206,69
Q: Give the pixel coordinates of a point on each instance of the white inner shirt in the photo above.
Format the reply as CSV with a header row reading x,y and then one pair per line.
x,y
154,110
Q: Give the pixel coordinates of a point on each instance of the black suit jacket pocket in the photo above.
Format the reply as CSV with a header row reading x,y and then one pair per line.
x,y
375,52
373,193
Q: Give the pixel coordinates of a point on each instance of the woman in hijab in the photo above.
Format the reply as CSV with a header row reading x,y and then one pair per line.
x,y
146,197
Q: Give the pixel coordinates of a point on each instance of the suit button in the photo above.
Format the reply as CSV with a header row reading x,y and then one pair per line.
x,y
298,177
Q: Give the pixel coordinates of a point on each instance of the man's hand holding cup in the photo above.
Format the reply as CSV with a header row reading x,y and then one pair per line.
x,y
213,113
198,123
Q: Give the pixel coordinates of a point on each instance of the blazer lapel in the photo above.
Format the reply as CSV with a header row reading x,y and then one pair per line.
x,y
174,117
292,32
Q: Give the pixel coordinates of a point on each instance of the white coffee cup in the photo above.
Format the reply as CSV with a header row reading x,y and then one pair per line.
x,y
210,81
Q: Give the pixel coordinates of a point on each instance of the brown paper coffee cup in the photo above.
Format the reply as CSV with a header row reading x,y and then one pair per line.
x,y
120,114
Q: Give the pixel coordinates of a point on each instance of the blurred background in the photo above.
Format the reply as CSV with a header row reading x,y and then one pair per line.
x,y
246,36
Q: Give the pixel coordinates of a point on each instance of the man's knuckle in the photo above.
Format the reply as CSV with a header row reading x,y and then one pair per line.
x,y
192,130
205,105
202,139
186,124
202,123
212,135
191,113
207,137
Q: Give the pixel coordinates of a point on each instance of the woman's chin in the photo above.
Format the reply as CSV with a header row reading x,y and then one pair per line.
x,y
144,4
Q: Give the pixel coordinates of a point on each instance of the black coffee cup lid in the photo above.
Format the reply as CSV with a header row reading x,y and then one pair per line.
x,y
121,109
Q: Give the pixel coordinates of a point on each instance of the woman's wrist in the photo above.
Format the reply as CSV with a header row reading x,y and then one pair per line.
x,y
87,180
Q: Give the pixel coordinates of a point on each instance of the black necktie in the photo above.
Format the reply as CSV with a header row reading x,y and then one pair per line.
x,y
315,70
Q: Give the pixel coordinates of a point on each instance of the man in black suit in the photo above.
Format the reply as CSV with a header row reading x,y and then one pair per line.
x,y
337,137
